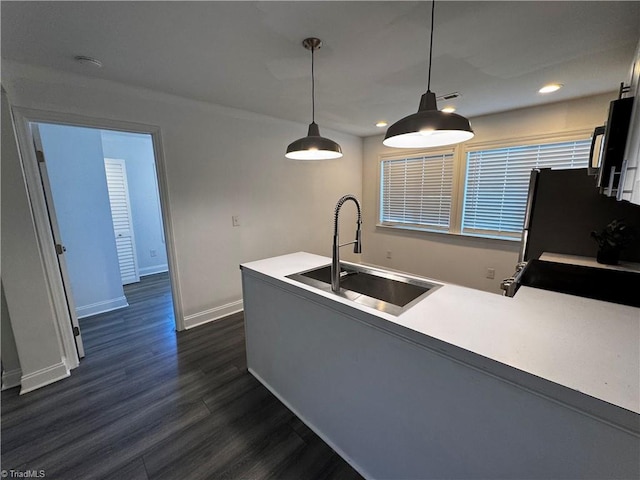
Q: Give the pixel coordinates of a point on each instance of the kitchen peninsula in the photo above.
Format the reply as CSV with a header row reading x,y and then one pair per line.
x,y
464,384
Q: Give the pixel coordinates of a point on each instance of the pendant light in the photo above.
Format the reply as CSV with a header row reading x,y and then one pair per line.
x,y
313,146
429,127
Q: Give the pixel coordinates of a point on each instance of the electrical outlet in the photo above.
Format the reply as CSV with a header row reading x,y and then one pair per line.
x,y
235,220
491,273
153,253
389,254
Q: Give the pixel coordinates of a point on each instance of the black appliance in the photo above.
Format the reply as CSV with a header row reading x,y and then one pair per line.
x,y
608,145
563,209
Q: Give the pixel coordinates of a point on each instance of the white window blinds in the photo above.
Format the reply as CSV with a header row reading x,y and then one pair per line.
x,y
497,183
417,191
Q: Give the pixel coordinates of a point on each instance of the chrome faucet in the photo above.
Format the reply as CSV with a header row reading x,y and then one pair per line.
x,y
357,247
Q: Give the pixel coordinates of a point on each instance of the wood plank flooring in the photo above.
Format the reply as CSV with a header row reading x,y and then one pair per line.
x,y
151,403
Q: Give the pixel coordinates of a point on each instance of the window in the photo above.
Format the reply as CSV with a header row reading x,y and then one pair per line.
x,y
433,192
497,183
417,191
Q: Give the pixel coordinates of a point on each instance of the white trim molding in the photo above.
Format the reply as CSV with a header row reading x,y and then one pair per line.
x,y
212,314
11,378
43,377
101,307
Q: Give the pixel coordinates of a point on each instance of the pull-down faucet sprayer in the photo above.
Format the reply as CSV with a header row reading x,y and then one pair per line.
x,y
357,247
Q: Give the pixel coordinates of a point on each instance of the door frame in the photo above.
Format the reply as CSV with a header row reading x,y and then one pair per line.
x,y
21,118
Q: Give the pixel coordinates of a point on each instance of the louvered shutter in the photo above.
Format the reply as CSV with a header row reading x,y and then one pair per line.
x,y
122,225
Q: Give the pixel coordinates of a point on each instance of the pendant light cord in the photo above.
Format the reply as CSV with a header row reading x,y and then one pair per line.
x,y
313,90
433,5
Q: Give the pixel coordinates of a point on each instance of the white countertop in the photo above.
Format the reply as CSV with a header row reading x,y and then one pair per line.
x,y
586,345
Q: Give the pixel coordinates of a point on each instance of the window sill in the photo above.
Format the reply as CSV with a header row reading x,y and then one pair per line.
x,y
412,228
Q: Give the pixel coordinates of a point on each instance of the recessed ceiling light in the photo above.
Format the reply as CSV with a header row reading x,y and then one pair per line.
x,y
381,124
448,109
90,61
552,87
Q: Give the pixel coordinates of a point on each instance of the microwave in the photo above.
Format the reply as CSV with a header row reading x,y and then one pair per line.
x,y
608,145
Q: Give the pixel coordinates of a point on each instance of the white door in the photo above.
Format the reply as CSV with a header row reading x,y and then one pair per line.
x,y
57,238
122,224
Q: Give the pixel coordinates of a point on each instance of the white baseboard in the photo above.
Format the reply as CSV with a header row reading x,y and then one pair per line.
x,y
11,378
43,377
143,272
212,314
101,307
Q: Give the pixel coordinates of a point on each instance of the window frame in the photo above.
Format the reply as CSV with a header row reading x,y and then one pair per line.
x,y
458,188
416,153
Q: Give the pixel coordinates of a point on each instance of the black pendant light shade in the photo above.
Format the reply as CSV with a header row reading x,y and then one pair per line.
x,y
313,146
429,127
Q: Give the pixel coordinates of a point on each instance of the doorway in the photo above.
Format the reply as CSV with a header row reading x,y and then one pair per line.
x,y
96,203
55,163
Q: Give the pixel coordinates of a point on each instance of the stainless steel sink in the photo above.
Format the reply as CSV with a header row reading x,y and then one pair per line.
x,y
386,291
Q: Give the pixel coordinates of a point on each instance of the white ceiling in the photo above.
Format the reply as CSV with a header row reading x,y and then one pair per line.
x,y
372,66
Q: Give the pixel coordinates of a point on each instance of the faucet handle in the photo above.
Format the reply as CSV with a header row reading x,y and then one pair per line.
x,y
357,245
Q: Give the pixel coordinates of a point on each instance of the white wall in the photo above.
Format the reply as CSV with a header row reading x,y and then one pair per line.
x,y
220,162
454,258
38,341
137,152
75,166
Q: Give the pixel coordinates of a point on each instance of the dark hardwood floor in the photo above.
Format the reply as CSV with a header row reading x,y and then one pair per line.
x,y
151,403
